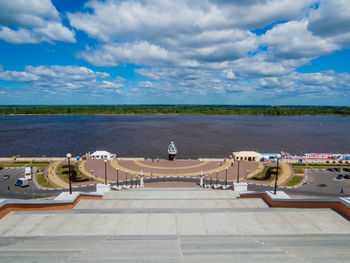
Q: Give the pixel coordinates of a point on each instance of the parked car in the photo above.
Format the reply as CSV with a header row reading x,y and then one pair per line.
x,y
340,176
347,176
346,169
331,169
336,170
6,176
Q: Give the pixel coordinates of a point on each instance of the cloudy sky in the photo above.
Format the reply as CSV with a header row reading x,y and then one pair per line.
x,y
282,52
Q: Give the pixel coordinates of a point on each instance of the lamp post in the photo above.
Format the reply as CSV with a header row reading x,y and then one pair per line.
x,y
278,156
69,177
117,177
217,177
105,171
238,174
226,177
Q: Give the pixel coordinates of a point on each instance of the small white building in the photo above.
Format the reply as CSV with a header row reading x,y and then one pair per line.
x,y
247,156
101,155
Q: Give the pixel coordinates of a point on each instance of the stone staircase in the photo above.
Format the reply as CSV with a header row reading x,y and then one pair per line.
x,y
175,225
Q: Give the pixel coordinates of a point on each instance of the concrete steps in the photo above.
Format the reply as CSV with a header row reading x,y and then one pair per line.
x,y
164,194
171,204
182,225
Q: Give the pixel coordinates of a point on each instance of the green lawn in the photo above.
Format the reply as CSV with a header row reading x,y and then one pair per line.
x,y
268,174
77,176
300,167
24,164
41,179
295,180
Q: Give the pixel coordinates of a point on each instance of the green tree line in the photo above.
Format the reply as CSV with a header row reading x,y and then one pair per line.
x,y
176,109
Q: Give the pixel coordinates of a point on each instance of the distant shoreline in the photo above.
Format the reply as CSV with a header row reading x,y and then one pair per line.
x,y
172,114
176,110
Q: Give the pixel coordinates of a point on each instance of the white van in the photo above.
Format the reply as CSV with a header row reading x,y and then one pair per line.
x,y
23,182
28,173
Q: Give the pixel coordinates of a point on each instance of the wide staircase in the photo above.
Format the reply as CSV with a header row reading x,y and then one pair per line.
x,y
175,225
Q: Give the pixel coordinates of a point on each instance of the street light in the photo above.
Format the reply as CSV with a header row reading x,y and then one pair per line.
x,y
238,174
105,171
117,177
278,156
69,177
226,177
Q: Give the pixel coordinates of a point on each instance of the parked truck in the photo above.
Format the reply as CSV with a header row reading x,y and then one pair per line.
x,y
22,182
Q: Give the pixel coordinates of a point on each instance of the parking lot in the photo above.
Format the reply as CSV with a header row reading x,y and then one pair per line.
x,y
325,181
9,190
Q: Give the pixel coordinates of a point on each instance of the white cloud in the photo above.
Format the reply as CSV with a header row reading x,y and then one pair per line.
x,y
63,78
138,53
230,75
182,33
112,20
331,19
32,13
145,84
18,37
292,40
32,21
188,47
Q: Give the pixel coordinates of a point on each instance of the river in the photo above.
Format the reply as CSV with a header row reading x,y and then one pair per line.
x,y
149,136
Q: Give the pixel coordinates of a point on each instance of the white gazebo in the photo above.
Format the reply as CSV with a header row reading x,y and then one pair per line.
x,y
101,155
247,156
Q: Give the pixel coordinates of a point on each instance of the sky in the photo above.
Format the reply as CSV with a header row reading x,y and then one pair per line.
x,y
257,52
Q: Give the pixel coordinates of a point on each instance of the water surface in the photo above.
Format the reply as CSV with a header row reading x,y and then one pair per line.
x,y
150,135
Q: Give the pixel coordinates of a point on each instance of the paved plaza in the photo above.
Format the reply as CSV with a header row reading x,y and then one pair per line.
x,y
175,225
180,168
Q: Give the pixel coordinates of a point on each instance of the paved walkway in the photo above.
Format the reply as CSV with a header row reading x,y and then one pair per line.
x,y
85,172
285,176
169,171
53,177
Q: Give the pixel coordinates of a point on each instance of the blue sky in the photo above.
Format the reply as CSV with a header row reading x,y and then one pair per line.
x,y
281,52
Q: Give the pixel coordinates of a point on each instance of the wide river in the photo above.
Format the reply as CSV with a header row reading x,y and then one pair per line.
x,y
149,136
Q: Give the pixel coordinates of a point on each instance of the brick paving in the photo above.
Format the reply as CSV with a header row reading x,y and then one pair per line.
x,y
180,168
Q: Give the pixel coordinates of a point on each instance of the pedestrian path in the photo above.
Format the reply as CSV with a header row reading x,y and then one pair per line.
x,y
285,176
85,172
53,177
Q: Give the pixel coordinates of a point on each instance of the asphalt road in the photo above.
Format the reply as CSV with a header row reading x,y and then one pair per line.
x,y
9,190
320,183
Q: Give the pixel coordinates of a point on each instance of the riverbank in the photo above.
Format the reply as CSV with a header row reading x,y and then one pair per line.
x,y
176,110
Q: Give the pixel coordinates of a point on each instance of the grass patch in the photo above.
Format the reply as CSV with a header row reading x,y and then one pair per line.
x,y
24,163
268,174
300,167
41,179
298,170
295,180
77,176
